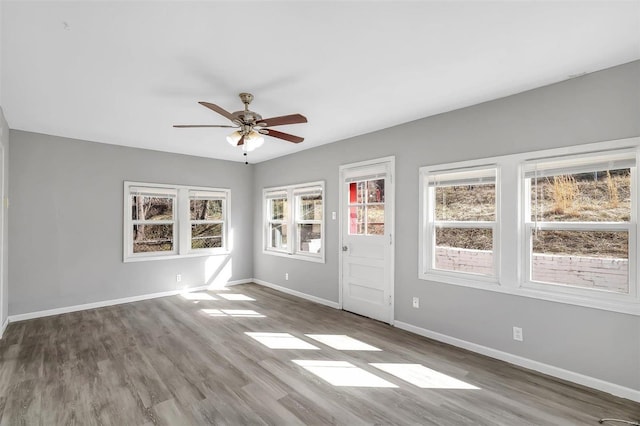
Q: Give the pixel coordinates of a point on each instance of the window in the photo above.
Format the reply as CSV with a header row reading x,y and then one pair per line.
x,y
558,225
579,222
164,221
461,222
207,216
152,220
278,217
294,221
308,220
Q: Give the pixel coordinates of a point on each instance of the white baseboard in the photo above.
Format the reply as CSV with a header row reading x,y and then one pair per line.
x,y
236,282
101,304
550,370
319,300
4,326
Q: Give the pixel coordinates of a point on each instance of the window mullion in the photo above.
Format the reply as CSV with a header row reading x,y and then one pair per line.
x,y
464,224
582,226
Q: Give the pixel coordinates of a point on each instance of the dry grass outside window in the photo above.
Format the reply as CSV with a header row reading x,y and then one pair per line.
x,y
612,191
564,191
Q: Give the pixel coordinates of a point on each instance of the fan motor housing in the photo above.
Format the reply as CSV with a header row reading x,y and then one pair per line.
x,y
248,117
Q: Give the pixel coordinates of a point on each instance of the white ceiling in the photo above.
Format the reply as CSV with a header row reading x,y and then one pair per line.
x,y
124,72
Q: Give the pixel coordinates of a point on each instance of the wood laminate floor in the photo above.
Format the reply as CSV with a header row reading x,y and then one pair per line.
x,y
214,358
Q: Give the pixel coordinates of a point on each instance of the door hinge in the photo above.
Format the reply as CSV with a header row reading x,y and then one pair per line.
x,y
390,239
389,300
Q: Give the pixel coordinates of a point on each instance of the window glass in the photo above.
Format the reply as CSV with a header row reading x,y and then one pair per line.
x,y
589,259
144,207
463,220
152,238
206,235
466,202
579,221
278,236
309,238
279,209
598,196
309,207
206,209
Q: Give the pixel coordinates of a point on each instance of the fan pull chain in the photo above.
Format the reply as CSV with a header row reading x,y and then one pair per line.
x,y
245,158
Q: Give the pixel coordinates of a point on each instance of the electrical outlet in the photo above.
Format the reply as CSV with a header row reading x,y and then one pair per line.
x,y
178,278
286,276
416,302
517,334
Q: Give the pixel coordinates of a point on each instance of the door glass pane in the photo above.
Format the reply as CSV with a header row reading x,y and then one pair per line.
x,y
206,235
375,191
375,220
366,207
356,220
152,238
357,192
589,259
144,207
309,237
206,209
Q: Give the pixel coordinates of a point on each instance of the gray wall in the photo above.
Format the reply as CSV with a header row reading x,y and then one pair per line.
x,y
601,106
4,281
66,221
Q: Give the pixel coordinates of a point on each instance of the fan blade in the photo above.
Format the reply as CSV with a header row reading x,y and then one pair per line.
x,y
181,126
281,135
220,111
241,141
282,120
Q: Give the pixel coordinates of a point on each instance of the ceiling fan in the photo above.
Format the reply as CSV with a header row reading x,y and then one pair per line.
x,y
251,125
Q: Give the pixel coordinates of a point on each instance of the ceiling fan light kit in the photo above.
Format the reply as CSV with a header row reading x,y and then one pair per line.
x,y
252,141
251,126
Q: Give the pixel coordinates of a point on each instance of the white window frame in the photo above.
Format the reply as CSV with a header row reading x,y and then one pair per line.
x,y
429,178
512,205
157,191
578,163
290,193
269,196
181,221
211,194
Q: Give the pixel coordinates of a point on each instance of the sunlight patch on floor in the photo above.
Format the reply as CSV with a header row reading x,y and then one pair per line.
x,y
280,341
232,313
236,296
242,313
342,373
197,296
342,342
422,377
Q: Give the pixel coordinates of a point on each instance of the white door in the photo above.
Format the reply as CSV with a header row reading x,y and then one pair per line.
x,y
367,210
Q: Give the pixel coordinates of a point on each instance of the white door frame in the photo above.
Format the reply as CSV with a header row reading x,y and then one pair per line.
x,y
3,213
390,195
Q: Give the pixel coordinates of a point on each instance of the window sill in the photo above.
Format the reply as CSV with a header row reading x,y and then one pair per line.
x,y
309,258
629,306
133,259
461,279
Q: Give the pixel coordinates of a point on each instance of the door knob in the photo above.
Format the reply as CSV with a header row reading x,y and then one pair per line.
x,y
345,248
